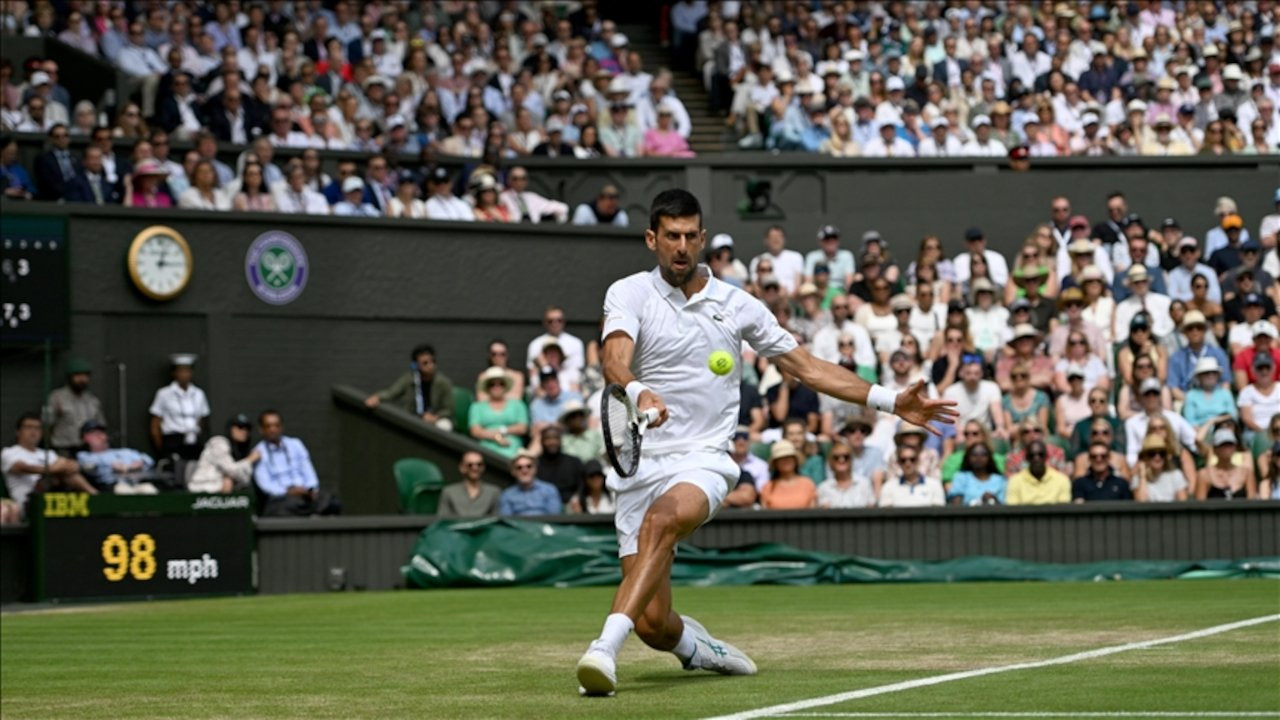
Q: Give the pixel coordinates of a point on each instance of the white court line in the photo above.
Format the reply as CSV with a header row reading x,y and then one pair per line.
x,y
775,710
1118,714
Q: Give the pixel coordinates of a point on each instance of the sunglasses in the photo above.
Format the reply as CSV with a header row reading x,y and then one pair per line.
x,y
523,466
1020,376
860,430
473,465
973,433
1098,457
841,457
906,459
1078,341
845,343
1035,455
1151,455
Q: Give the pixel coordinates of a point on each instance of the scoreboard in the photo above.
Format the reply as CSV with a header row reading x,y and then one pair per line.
x,y
141,546
35,282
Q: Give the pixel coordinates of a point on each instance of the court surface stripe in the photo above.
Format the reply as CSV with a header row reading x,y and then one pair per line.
x,y
776,710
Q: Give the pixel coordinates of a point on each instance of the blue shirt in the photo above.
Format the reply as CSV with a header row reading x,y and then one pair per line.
x,y
1180,282
284,466
546,410
541,498
966,486
98,465
1120,289
1201,407
1182,366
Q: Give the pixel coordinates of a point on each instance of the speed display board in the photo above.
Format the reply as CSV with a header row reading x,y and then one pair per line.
x,y
117,546
35,285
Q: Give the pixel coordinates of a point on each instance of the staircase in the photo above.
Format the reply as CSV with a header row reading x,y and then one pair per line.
x,y
709,134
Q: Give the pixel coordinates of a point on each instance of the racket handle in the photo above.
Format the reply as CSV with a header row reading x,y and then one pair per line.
x,y
650,416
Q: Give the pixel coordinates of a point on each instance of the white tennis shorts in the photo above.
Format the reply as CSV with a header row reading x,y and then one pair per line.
x,y
712,471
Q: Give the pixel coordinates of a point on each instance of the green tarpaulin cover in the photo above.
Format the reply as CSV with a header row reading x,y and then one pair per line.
x,y
501,552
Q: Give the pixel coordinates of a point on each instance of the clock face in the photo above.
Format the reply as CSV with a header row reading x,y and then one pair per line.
x,y
160,263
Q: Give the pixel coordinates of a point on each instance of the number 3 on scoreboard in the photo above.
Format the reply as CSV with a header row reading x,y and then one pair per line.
x,y
136,558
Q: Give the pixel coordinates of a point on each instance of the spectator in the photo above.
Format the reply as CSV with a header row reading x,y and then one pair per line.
x,y
665,140
424,391
563,471
1155,477
1209,397
55,169
1025,433
554,144
204,194
579,439
1100,483
226,463
843,489
15,183
524,205
121,470
978,482
55,112
1189,271
1021,401
1259,401
741,453
1143,300
977,399
353,200
1244,366
497,421
1038,484
1222,477
914,437
442,204
284,474
976,243
550,400
28,468
1136,427
253,194
553,322
144,186
472,497
589,146
604,210
71,406
487,208
1025,348
913,488
787,489
297,197
621,137
179,412
530,495
593,497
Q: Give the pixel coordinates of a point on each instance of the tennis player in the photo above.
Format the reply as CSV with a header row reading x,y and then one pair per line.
x,y
660,327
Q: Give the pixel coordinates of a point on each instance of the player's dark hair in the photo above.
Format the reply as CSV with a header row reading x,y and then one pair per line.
x,y
27,416
674,203
1114,194
423,349
262,416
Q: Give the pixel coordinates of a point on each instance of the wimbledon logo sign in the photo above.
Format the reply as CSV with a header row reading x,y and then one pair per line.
x,y
276,267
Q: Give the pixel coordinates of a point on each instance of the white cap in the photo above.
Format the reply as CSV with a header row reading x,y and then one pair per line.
x,y
1136,105
894,83
187,359
853,55
721,240
395,121
1207,364
39,78
619,40
618,85
981,120
1232,72
1089,118
784,76
1262,327
352,184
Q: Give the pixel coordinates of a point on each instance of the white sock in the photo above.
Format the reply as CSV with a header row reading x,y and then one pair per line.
x,y
684,649
616,629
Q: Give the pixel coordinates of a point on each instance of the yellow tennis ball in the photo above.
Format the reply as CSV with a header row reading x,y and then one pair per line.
x,y
720,362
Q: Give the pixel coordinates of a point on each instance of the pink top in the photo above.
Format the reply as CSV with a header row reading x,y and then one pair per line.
x,y
665,144
153,200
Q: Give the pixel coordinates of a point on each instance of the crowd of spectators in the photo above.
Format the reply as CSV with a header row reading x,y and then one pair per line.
x,y
486,82
973,78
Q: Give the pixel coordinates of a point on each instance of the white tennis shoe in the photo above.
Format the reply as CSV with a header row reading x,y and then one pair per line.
x,y
597,671
712,654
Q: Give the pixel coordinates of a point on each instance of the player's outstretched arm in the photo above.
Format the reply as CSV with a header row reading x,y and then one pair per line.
x,y
619,348
828,378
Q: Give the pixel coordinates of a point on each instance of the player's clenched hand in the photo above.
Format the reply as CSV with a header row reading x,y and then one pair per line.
x,y
649,399
917,408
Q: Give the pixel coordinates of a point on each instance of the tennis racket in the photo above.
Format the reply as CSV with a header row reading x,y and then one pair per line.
x,y
624,428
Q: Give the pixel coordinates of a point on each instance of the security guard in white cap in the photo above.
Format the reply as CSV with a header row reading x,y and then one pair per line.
x,y
179,412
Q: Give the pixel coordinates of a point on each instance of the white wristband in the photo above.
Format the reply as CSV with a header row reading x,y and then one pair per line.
x,y
882,398
634,388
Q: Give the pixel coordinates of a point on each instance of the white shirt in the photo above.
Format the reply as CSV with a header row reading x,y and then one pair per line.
x,y
21,484
991,148
857,495
876,147
575,354
976,406
989,328
1156,305
307,202
897,493
674,336
180,411
536,206
951,146
1135,429
826,343
924,323
997,268
788,267
1264,406
448,207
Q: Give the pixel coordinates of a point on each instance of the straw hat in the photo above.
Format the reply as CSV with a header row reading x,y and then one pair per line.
x,y
782,449
493,373
1155,443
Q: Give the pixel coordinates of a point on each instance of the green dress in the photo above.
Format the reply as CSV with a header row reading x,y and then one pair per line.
x,y
514,412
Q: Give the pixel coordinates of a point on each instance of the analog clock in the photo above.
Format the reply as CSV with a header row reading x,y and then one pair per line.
x,y
160,262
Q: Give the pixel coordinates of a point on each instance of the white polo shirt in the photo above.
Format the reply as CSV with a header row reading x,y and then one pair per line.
x,y
674,336
180,411
20,485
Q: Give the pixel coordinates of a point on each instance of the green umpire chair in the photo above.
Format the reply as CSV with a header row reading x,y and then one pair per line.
x,y
419,482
